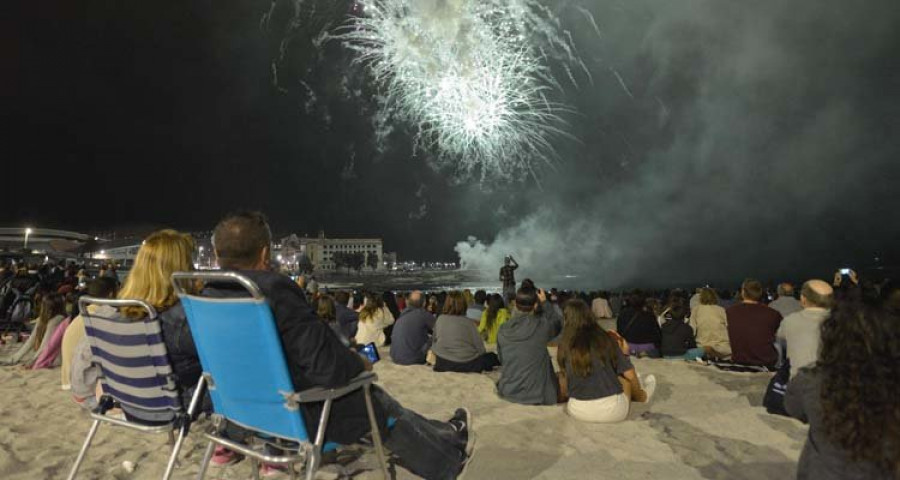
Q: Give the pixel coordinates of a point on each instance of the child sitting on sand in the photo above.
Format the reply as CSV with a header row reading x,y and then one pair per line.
x,y
599,378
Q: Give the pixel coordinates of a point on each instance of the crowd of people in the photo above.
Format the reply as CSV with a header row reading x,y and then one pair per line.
x,y
836,347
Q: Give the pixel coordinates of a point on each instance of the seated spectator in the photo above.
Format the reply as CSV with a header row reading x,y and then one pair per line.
x,y
849,397
457,345
638,325
752,327
710,325
316,358
785,304
162,253
411,337
527,376
346,317
52,314
326,311
433,306
492,318
677,336
102,287
599,378
800,330
373,319
600,307
476,309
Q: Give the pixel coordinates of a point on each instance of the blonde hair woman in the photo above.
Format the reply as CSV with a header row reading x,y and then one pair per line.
x,y
162,253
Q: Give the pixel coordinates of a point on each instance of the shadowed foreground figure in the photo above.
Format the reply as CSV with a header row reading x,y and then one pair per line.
x,y
850,398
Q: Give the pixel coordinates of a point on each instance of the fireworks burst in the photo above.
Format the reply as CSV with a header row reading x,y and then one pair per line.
x,y
471,75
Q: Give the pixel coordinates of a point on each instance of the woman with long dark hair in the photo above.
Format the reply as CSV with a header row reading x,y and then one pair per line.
x,y
599,378
850,397
52,313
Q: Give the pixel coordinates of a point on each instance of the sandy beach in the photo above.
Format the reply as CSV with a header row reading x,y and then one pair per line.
x,y
701,424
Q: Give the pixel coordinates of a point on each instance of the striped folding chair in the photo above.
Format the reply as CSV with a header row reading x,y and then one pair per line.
x,y
136,375
248,379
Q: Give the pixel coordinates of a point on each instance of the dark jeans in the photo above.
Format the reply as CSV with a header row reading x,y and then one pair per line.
x,y
425,447
484,363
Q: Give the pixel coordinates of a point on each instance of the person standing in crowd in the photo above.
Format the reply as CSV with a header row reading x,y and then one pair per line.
x,y
508,276
457,345
599,378
411,337
752,327
527,376
710,324
849,397
800,330
785,304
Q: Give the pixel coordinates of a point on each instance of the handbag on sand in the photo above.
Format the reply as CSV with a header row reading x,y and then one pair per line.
x,y
773,400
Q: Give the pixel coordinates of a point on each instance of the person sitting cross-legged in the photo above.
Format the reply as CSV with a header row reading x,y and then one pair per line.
x,y
411,337
527,376
316,358
677,336
600,379
457,345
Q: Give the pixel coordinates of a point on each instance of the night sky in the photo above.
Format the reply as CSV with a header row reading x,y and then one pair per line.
x,y
745,138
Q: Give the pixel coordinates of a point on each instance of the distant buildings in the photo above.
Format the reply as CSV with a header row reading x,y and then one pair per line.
x,y
321,254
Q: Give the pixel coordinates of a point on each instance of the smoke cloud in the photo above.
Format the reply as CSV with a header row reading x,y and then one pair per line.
x,y
720,140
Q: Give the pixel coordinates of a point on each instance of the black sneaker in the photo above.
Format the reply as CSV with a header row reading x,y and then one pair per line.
x,y
461,422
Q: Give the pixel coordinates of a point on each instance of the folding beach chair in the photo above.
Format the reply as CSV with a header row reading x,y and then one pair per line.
x,y
245,369
136,375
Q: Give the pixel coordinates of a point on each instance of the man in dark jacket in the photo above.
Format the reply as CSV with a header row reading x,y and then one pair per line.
x,y
317,358
528,375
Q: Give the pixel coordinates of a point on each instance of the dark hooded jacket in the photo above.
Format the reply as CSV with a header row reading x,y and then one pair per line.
x,y
677,337
528,375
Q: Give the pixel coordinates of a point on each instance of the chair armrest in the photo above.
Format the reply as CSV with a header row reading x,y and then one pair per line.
x,y
319,394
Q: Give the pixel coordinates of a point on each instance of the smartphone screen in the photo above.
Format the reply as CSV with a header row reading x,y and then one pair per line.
x,y
370,352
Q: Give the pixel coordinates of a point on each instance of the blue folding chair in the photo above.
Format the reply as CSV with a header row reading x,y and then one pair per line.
x,y
245,370
137,376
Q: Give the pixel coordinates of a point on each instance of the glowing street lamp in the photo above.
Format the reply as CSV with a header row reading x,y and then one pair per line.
x,y
27,233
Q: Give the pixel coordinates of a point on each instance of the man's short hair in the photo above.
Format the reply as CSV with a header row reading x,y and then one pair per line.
x,y
785,290
342,297
415,299
815,298
102,287
480,297
752,289
526,298
240,237
455,304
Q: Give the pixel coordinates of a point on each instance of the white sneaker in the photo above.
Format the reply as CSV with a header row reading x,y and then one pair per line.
x,y
649,386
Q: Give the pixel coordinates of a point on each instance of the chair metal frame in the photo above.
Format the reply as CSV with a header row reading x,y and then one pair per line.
x,y
181,422
308,452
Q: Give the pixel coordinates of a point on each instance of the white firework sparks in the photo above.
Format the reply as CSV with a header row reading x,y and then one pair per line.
x,y
471,75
